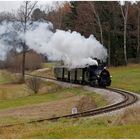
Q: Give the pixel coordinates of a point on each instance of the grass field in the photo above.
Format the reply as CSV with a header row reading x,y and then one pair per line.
x,y
11,91
54,99
14,96
125,126
126,77
6,77
75,128
46,71
57,95
49,65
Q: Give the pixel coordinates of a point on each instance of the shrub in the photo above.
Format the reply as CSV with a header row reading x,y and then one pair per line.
x,y
33,61
9,77
86,103
34,84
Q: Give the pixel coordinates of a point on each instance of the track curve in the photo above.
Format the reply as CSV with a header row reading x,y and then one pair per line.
x,y
128,99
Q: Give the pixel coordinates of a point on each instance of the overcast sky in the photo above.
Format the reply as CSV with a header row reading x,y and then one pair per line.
x,y
9,5
14,5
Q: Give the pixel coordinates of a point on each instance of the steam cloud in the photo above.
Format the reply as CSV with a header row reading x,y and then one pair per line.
x,y
71,47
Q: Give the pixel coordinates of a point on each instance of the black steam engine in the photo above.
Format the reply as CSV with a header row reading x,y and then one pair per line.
x,y
92,75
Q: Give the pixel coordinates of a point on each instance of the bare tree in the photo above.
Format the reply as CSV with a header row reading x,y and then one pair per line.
x,y
92,4
138,29
7,16
55,13
86,103
24,14
34,84
109,47
125,17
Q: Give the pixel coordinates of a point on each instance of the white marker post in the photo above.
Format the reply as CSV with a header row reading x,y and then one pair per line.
x,y
74,110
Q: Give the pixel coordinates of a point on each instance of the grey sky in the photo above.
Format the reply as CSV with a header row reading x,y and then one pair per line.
x,y
9,5
14,5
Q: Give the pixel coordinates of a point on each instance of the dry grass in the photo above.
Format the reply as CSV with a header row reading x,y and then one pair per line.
x,y
13,91
42,110
7,77
73,128
50,104
85,103
128,116
45,72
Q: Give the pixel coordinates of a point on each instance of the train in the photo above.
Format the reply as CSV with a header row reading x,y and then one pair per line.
x,y
93,75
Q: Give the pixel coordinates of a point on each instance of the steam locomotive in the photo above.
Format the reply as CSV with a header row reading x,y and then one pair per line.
x,y
92,75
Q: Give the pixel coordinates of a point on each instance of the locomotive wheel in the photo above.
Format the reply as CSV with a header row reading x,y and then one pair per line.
x,y
101,84
58,78
92,84
83,83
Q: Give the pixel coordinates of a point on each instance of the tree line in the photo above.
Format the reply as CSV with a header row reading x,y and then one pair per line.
x,y
116,26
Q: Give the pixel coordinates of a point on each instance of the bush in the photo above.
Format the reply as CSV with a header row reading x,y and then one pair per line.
x,y
34,84
33,61
8,77
86,103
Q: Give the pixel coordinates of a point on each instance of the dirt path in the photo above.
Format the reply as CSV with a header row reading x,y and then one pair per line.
x,y
43,110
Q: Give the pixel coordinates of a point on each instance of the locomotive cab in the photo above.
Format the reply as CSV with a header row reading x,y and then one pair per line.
x,y
99,76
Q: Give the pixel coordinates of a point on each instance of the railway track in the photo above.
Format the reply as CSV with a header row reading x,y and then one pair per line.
x,y
128,99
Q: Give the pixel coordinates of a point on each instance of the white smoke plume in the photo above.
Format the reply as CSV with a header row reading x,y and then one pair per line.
x,y
71,47
5,39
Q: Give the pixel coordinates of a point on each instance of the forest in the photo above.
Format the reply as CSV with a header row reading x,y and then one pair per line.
x,y
115,25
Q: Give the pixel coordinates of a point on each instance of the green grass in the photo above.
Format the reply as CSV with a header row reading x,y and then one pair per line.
x,y
126,77
3,80
14,91
57,95
6,120
5,77
74,128
48,65
33,99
